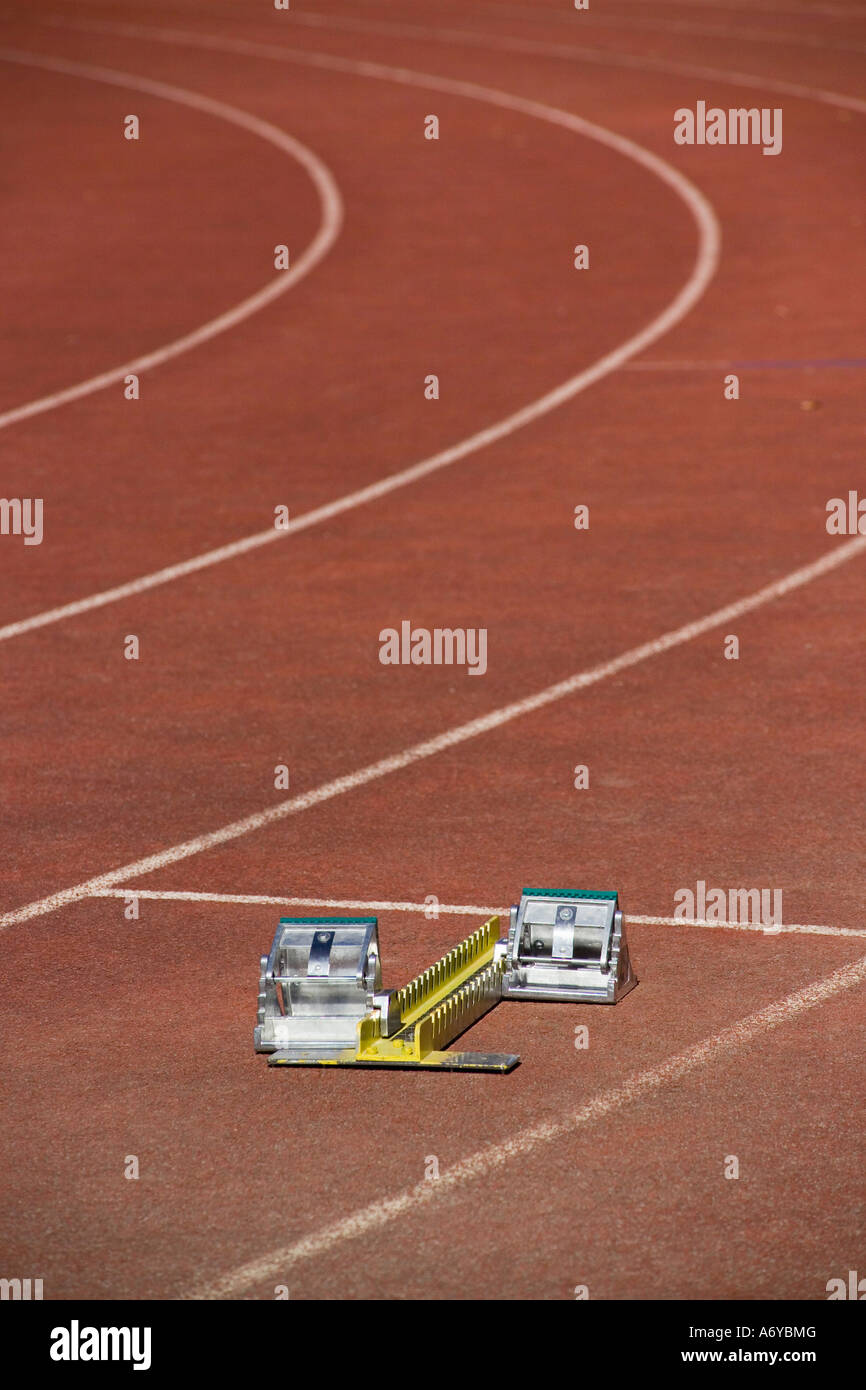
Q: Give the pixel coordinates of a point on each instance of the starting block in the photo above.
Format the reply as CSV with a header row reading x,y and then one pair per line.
x,y
317,984
567,944
321,1001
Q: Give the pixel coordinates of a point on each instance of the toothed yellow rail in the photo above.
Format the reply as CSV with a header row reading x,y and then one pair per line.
x,y
436,1007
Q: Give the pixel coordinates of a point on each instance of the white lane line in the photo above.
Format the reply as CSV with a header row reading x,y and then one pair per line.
x,y
568,17
451,738
329,227
474,37
720,1047
603,56
797,928
412,474
448,909
145,582
738,35
266,899
667,366
704,268
600,56
836,11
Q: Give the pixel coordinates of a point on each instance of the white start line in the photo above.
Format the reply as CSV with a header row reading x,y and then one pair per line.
x,y
448,909
439,743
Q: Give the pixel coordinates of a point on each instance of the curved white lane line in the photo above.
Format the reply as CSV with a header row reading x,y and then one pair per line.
x,y
719,1047
329,228
568,17
253,542
388,28
440,743
603,57
704,268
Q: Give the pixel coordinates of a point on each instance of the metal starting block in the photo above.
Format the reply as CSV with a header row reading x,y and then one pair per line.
x,y
314,1011
317,984
321,1001
567,944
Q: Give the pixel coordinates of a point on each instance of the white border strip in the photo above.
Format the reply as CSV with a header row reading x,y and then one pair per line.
x,y
440,743
728,1043
329,228
706,261
448,909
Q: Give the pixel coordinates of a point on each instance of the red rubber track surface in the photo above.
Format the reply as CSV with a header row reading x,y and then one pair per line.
x,y
135,1037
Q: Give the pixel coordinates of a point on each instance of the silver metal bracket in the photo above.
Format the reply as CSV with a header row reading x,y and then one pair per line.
x,y
567,944
318,982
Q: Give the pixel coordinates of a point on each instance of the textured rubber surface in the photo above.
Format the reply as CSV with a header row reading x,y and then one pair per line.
x,y
133,1037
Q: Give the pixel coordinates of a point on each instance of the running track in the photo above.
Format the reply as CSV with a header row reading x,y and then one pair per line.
x,y
304,388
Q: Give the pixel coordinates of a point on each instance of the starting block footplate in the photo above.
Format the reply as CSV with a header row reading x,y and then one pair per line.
x,y
442,1061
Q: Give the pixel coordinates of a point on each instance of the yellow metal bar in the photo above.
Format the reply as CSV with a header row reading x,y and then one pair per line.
x,y
434,985
450,1018
439,1003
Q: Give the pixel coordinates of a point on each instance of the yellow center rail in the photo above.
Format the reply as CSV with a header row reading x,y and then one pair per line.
x,y
439,1004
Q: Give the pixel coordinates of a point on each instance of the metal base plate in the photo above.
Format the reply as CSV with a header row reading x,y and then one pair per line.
x,y
567,996
442,1061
